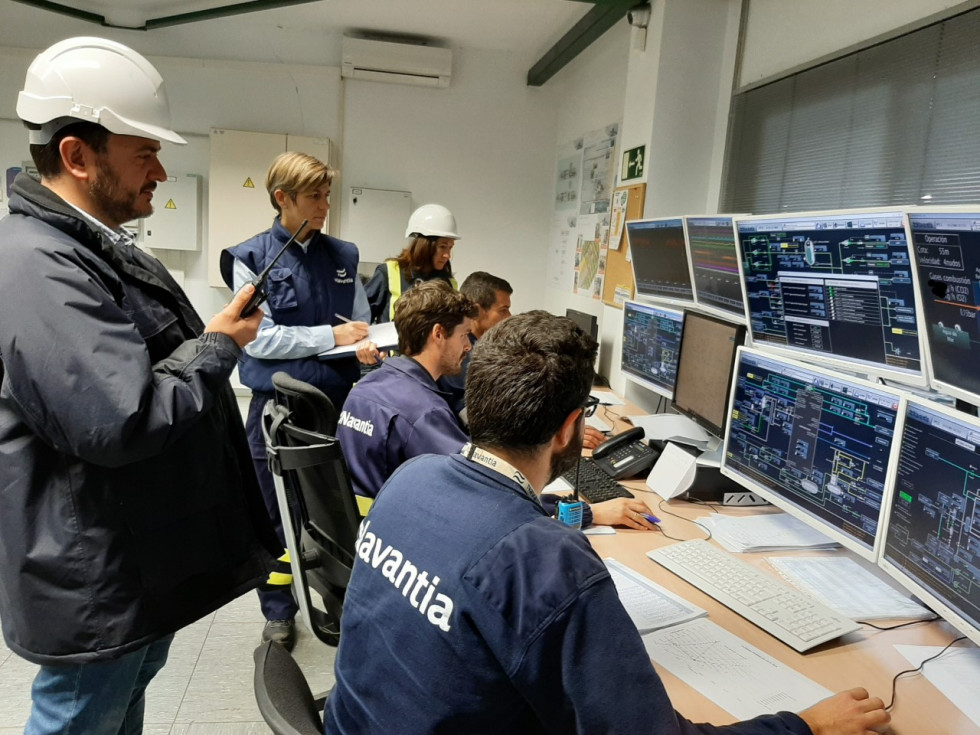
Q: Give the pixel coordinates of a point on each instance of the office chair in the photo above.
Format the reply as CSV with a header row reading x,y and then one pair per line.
x,y
320,515
285,701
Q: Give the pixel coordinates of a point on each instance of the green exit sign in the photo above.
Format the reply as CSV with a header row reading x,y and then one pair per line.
x,y
633,162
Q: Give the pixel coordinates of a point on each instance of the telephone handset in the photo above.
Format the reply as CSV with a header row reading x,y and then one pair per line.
x,y
625,455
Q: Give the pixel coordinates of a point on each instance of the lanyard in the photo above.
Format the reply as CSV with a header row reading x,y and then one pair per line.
x,y
495,463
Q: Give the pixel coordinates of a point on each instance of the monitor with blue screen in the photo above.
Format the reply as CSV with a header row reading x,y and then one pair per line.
x,y
651,341
813,442
659,258
714,265
838,287
932,517
946,245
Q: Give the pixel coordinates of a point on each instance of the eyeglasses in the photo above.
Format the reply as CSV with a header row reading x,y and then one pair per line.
x,y
590,405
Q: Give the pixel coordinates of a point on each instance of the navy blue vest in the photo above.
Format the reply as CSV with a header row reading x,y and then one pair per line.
x,y
305,289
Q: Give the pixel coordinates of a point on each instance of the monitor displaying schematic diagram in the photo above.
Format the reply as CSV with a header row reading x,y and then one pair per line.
x,y
651,342
932,517
838,287
813,442
946,246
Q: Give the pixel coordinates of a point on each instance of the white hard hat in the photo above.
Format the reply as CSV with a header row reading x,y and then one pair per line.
x,y
432,220
98,81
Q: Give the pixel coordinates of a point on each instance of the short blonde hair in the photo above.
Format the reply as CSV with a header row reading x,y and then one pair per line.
x,y
296,173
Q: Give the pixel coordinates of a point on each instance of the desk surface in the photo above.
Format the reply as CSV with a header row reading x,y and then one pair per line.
x,y
865,658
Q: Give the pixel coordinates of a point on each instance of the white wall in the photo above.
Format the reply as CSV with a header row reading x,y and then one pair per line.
x,y
484,147
783,36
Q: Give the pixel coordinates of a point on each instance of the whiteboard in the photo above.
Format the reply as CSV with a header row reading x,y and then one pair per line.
x,y
376,220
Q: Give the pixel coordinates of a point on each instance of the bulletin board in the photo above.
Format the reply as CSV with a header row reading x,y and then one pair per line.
x,y
619,271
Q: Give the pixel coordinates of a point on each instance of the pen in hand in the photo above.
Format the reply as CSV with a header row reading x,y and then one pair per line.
x,y
343,318
650,518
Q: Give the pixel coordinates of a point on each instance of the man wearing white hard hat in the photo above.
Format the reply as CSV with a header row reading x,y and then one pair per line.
x,y
432,229
129,506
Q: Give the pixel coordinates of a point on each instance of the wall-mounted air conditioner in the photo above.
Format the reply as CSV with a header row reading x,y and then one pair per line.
x,y
396,61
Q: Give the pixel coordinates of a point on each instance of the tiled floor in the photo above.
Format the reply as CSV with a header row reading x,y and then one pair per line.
x,y
206,686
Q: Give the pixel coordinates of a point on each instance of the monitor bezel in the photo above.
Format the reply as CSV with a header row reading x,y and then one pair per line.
x,y
940,386
740,331
870,554
843,364
594,320
903,578
680,301
706,307
637,379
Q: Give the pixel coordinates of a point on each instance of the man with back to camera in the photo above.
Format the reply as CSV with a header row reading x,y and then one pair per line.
x,y
455,619
129,506
316,302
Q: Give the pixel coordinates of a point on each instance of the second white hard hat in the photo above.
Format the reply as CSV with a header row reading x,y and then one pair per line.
x,y
98,81
432,220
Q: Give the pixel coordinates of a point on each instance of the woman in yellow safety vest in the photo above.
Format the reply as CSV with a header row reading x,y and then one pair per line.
x,y
432,228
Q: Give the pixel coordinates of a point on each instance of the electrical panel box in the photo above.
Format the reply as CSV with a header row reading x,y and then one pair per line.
x,y
175,224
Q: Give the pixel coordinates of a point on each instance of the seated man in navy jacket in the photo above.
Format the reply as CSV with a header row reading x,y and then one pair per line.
x,y
397,411
470,610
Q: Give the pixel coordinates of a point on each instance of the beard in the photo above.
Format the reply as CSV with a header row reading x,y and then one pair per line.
x,y
113,200
566,459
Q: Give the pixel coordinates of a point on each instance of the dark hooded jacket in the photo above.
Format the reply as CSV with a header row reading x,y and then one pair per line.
x,y
128,504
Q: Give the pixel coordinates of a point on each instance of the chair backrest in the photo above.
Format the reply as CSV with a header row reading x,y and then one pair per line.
x,y
282,693
316,499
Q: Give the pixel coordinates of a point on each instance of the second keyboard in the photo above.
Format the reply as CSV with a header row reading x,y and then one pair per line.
x,y
795,618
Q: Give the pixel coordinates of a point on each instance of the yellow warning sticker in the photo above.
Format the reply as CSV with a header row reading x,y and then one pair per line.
x,y
170,204
248,183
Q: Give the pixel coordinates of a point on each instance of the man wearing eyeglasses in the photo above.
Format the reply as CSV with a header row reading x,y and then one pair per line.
x,y
470,610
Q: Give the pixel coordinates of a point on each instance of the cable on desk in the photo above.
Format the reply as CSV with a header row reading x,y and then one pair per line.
x,y
900,625
660,507
919,668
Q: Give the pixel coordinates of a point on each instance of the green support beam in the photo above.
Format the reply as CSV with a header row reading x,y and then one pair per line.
x,y
593,24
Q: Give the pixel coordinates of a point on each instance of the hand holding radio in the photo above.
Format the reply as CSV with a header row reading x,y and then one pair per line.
x,y
230,322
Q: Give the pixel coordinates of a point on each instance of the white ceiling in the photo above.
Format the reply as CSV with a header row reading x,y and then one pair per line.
x,y
304,33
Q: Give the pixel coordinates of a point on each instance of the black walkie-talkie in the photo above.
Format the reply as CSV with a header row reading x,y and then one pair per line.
x,y
260,295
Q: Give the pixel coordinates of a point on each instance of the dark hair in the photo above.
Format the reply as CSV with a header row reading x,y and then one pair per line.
x,y
419,310
526,375
417,257
47,157
482,288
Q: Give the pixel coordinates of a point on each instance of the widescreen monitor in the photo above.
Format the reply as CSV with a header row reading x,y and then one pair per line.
x,y
946,246
814,443
930,522
651,339
714,265
659,257
837,287
704,369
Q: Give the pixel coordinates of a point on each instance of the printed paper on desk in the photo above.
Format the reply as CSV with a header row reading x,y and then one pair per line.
x,y
384,335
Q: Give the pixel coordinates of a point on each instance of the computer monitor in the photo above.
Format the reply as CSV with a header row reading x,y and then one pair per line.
x,y
659,257
929,528
704,369
588,323
813,442
714,265
946,247
838,287
651,339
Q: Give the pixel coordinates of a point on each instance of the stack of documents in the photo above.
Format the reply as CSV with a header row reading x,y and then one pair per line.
x,y
649,605
845,586
773,532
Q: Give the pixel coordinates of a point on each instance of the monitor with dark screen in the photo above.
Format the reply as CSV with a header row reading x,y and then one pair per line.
x,y
659,257
714,265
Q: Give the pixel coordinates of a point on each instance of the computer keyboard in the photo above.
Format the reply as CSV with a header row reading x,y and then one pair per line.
x,y
593,484
793,617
